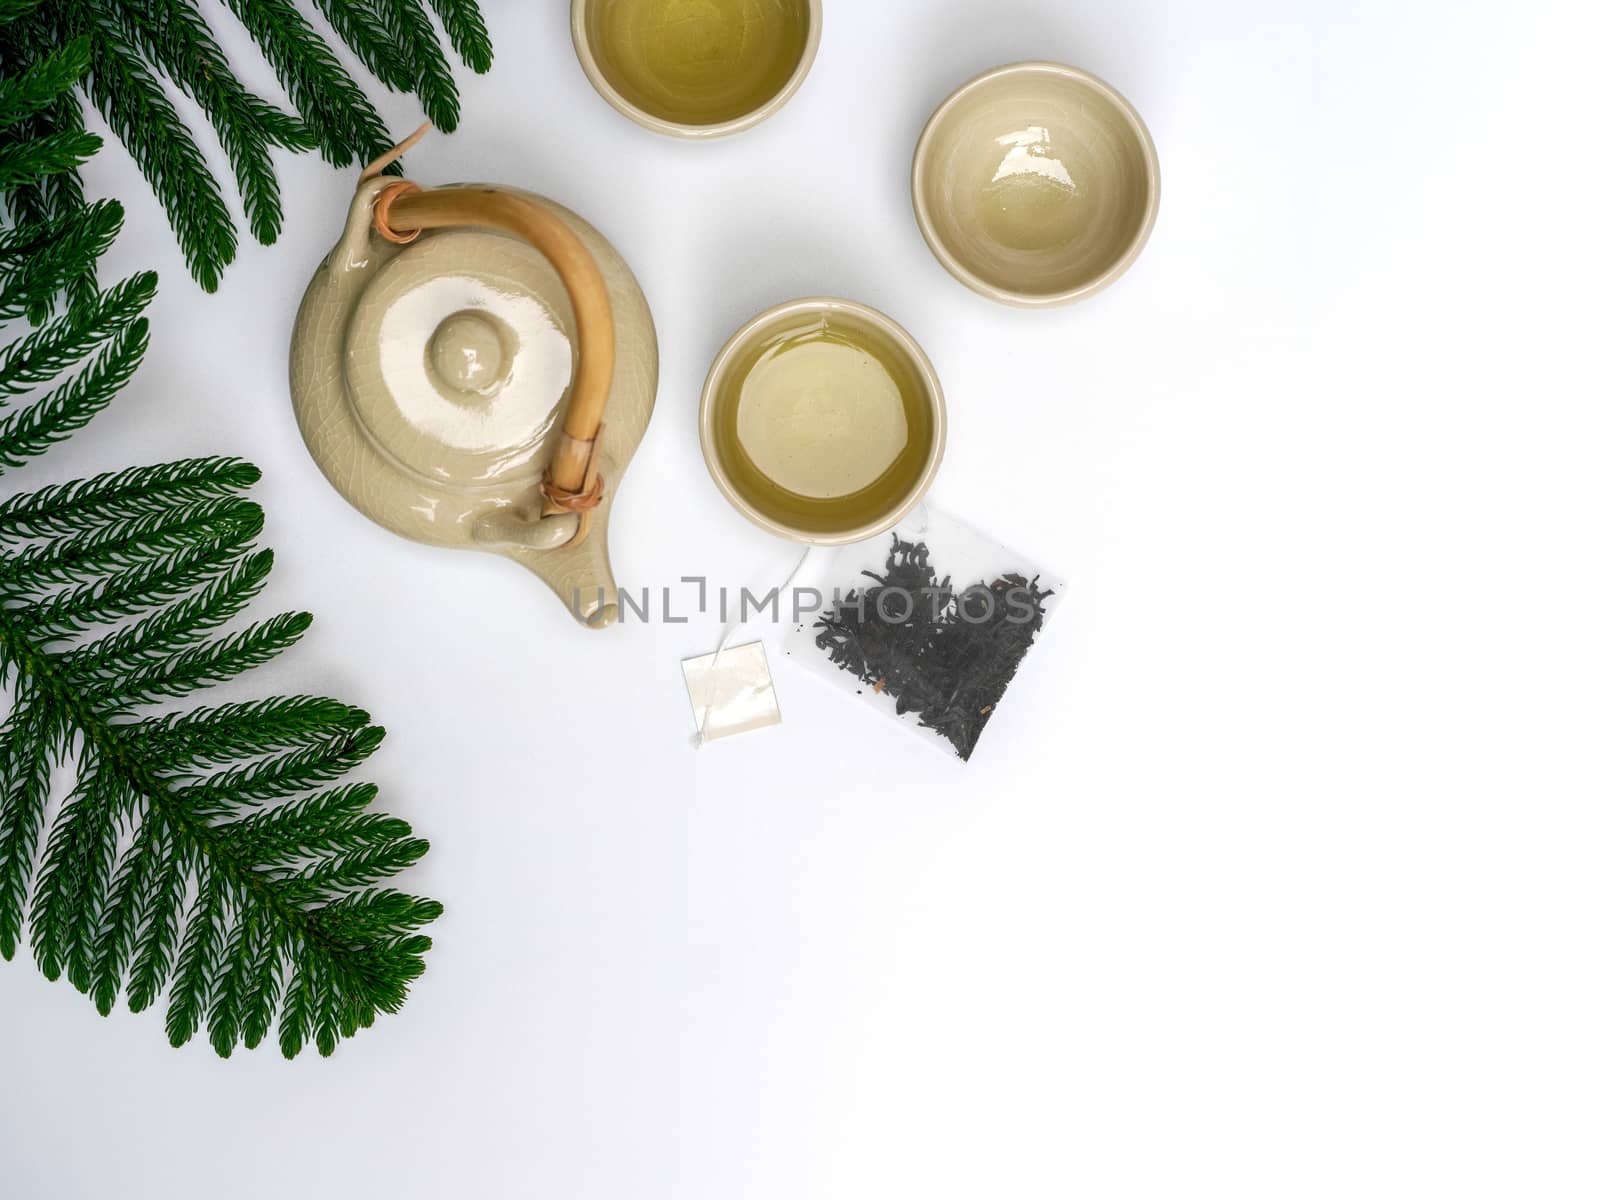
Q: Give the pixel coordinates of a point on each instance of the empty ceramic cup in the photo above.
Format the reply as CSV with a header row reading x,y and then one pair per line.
x,y
697,68
823,422
1036,184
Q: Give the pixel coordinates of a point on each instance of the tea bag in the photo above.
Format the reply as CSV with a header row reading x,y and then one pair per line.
x,y
731,692
929,624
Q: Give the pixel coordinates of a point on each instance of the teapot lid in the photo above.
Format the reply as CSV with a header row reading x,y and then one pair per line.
x,y
458,355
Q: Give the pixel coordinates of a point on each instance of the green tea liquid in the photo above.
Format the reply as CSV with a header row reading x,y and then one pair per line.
x,y
832,425
699,62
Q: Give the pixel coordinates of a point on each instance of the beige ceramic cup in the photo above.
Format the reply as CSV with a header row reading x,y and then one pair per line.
x,y
697,68
1036,184
815,457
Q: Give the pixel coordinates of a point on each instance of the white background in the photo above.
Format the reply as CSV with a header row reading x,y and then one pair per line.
x,y
1276,874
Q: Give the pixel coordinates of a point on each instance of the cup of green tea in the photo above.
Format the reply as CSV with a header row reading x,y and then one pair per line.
x,y
697,68
823,421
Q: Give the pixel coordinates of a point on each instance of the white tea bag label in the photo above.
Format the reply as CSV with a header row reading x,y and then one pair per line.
x,y
731,692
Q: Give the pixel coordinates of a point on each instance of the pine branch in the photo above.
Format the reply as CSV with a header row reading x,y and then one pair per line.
x,y
134,105
463,22
282,776
370,39
202,667
46,353
138,492
12,10
37,106
38,261
153,936
73,877
55,200
53,155
38,88
115,554
70,407
129,46
107,661
137,590
322,824
225,801
61,194
212,737
127,907
340,117
25,758
214,854
430,72
175,38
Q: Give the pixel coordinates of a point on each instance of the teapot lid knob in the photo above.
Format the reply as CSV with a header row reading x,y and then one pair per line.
x,y
468,353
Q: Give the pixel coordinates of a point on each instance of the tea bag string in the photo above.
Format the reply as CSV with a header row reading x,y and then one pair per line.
x,y
698,741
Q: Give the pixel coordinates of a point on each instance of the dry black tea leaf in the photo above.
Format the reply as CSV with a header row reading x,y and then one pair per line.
x,y
946,657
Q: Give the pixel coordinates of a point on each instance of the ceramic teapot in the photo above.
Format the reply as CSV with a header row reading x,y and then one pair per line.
x,y
474,367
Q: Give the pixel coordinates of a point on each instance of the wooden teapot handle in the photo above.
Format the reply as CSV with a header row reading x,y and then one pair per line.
x,y
403,210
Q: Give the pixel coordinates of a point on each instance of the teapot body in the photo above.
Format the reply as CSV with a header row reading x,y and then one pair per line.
x,y
429,382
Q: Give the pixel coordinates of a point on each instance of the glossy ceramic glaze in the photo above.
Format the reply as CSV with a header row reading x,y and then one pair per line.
x,y
697,68
429,379
823,421
1036,184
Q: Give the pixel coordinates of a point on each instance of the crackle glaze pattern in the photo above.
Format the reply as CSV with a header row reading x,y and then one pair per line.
x,y
429,382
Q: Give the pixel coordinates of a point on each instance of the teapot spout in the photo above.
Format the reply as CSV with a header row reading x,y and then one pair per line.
x,y
595,606
578,571
603,615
